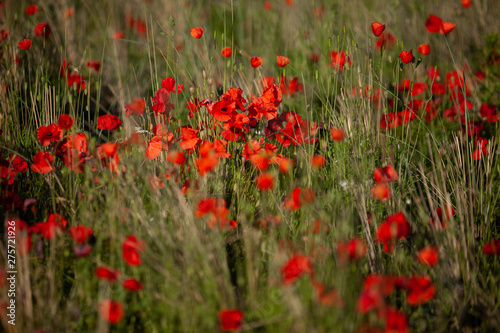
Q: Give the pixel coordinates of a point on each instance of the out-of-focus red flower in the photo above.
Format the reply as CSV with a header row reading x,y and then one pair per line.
x,y
424,49
105,273
492,248
299,197
395,227
80,233
378,28
385,175
428,256
230,320
381,191
318,162
94,64
25,44
118,35
447,27
420,290
131,247
297,266
31,10
395,321
265,182
282,61
337,134
466,3
443,215
226,52
338,60
197,32
488,113
132,284
351,250
385,40
433,23
42,30
112,311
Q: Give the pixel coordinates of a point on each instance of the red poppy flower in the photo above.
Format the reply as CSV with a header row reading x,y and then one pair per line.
x,y
424,49
492,248
108,122
46,134
197,32
256,62
130,250
428,256
265,182
298,197
385,175
337,134
118,35
230,320
395,321
297,266
466,3
267,5
132,285
80,233
407,57
188,138
25,44
65,121
226,52
140,27
351,250
105,273
339,59
95,64
31,10
18,164
282,61
420,290
157,144
111,311
77,81
378,28
448,211
176,157
208,159
42,162
381,191
447,27
42,30
385,40
488,113
70,12
393,228
433,24
318,162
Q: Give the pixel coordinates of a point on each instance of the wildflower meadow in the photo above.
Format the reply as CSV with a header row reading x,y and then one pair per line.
x,y
249,166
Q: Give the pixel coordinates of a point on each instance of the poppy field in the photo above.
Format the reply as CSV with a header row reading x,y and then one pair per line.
x,y
260,166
